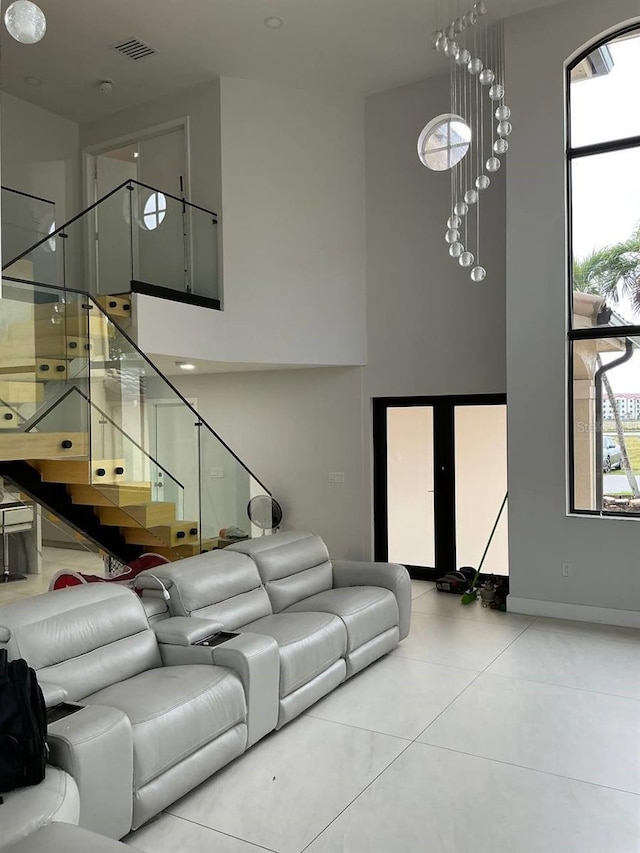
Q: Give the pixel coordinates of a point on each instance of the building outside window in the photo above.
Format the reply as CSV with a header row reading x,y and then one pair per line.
x,y
603,153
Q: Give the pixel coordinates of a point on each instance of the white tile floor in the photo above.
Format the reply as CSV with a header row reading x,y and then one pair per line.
x,y
53,561
481,732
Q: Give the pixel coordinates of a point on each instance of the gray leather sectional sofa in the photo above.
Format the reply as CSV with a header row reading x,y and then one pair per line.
x,y
157,699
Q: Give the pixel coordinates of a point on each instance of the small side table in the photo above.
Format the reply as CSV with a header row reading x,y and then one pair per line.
x,y
14,518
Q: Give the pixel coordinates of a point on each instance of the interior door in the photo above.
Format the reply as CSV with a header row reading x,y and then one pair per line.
x,y
113,261
173,440
163,238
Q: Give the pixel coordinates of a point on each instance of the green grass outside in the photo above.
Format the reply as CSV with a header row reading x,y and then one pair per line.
x,y
633,449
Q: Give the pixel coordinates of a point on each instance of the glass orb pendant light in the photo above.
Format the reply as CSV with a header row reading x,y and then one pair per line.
x,y
25,22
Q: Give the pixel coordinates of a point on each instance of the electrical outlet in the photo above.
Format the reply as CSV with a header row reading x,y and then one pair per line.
x,y
336,476
566,570
217,473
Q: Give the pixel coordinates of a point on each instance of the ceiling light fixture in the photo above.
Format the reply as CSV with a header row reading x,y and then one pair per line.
x,y
461,141
25,22
273,23
185,365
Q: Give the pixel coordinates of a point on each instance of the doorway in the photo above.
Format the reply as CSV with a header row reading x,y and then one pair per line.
x,y
139,235
440,478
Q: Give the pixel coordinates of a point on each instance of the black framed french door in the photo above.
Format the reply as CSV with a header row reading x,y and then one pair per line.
x,y
439,479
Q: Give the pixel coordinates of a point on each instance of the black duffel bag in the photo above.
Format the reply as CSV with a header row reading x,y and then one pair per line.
x,y
23,726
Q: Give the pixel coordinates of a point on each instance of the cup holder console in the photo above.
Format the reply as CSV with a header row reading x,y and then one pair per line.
x,y
59,712
216,639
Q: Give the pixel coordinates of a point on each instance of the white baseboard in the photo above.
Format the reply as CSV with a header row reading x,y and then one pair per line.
x,y
575,612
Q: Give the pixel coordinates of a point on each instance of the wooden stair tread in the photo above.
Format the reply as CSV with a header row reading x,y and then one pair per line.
x,y
45,369
20,391
83,326
44,446
56,346
120,494
147,515
167,534
81,471
115,305
180,552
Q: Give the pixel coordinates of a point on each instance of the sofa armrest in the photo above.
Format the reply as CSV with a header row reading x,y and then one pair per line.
x,y
390,576
255,658
185,630
95,746
53,694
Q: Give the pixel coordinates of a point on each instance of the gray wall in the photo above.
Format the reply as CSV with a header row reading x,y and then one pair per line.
x,y
293,232
291,428
604,552
431,330
40,156
202,105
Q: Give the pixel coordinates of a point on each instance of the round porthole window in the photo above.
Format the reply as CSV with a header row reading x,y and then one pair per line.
x,y
444,141
51,242
155,210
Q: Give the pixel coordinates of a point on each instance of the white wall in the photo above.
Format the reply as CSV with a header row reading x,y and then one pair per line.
x,y
202,105
293,235
604,552
40,155
431,330
291,428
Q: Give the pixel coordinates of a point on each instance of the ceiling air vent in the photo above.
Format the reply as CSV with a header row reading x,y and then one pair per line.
x,y
134,48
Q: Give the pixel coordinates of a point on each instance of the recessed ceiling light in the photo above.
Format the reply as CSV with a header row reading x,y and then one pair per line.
x,y
136,154
185,365
33,81
273,23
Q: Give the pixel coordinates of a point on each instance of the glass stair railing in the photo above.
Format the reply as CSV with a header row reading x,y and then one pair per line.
x,y
102,438
27,220
136,237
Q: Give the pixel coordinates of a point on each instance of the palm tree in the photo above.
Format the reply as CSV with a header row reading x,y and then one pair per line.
x,y
614,273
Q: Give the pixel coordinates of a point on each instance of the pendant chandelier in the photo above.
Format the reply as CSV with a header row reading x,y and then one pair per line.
x,y
471,139
25,21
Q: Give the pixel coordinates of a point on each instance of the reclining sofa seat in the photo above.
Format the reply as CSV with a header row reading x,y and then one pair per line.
x,y
225,588
329,619
373,600
148,733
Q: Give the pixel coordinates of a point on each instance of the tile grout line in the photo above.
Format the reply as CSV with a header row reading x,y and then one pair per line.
x,y
568,634
531,769
561,686
434,663
358,795
358,728
413,742
473,681
218,831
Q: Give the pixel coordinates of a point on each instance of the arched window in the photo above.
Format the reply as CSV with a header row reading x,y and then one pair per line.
x,y
603,168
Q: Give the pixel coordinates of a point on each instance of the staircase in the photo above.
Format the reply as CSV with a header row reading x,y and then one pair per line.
x,y
94,432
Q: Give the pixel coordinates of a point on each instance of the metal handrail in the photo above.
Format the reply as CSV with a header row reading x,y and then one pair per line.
x,y
125,184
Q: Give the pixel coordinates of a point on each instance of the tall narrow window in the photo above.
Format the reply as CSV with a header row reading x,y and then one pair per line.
x,y
603,151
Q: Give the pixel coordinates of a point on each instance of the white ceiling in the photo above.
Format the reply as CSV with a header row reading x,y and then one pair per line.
x,y
357,46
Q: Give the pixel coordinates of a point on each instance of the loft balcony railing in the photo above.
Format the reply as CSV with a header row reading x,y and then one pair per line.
x,y
136,238
89,410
